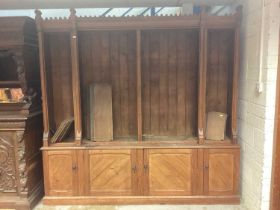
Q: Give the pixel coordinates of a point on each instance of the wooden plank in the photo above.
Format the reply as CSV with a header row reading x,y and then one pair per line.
x,y
124,84
85,46
132,83
139,87
115,80
96,66
114,200
163,83
212,72
146,181
202,84
138,184
200,172
172,81
191,84
76,79
101,112
43,78
154,81
105,57
235,76
49,82
145,54
60,73
181,84
193,109
223,71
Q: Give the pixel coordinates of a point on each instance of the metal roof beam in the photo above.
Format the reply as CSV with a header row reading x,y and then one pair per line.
x,y
145,10
160,9
127,11
106,12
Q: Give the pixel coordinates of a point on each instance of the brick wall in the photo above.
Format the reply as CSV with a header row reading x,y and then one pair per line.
x,y
256,111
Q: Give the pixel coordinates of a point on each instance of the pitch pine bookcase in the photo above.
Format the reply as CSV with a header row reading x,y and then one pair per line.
x,y
166,74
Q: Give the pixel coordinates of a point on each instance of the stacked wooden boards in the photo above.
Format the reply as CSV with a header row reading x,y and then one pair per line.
x,y
100,109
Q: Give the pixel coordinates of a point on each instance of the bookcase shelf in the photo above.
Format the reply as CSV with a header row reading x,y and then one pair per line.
x,y
165,75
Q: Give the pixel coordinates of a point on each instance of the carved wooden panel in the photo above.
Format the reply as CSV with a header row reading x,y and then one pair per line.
x,y
170,171
110,172
61,173
221,171
7,164
21,161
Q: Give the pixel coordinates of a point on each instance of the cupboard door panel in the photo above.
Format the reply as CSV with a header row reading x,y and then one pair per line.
x,y
170,171
221,171
110,172
61,173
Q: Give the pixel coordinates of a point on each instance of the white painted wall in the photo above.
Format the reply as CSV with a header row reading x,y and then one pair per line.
x,y
256,111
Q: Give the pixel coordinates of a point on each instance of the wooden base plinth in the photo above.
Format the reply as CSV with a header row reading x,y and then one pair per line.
x,y
120,200
18,203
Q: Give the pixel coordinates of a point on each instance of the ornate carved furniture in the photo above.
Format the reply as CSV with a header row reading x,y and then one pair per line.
x,y
21,178
166,73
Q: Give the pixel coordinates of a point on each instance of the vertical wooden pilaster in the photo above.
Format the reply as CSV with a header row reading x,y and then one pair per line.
x,y
43,75
236,66
139,92
202,79
75,78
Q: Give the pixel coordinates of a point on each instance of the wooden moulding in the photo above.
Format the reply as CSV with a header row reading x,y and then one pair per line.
x,y
141,22
76,78
115,200
45,104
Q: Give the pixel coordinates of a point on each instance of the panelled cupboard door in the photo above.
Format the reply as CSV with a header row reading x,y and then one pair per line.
x,y
221,171
110,172
61,173
170,171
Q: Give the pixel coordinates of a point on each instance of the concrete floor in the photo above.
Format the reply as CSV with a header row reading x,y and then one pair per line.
x,y
141,207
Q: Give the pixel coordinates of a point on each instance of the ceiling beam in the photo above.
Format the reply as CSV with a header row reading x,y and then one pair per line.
x,y
145,10
106,12
127,11
160,9
60,4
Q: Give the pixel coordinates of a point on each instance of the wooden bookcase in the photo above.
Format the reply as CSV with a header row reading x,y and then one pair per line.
x,y
166,74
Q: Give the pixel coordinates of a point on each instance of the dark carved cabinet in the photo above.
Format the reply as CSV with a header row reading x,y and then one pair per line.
x,y
21,178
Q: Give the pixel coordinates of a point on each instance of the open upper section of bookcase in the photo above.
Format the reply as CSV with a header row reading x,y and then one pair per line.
x,y
166,74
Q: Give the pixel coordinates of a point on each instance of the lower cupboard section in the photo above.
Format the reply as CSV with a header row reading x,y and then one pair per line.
x,y
127,176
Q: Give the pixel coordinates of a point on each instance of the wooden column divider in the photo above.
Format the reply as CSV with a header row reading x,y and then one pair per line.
x,y
236,66
76,78
45,107
139,91
202,79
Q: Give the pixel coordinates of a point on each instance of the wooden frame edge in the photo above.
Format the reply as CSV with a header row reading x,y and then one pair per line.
x,y
276,148
128,200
